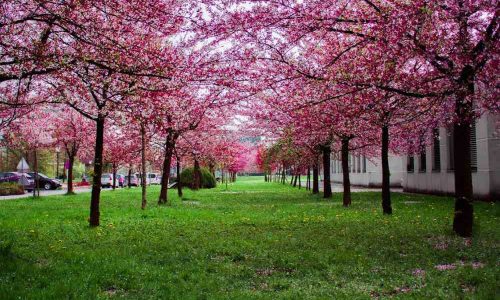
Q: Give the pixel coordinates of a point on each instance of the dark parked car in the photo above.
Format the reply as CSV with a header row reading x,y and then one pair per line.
x,y
23,179
134,181
46,183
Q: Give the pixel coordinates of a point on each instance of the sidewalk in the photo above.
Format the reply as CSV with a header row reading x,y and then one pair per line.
x,y
62,191
337,187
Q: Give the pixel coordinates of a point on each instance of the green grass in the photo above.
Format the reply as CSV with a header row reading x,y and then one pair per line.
x,y
255,240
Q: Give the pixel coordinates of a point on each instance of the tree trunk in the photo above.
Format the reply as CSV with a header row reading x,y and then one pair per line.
x,y
57,162
327,184
129,183
345,173
169,149
96,181
144,199
464,211
179,183
196,175
283,175
300,183
36,189
386,192
114,175
211,168
315,179
71,156
308,183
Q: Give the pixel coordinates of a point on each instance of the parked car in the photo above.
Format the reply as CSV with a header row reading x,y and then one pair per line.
x,y
45,182
153,178
107,180
23,179
134,181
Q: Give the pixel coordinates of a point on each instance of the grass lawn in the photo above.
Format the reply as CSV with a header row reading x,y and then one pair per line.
x,y
255,240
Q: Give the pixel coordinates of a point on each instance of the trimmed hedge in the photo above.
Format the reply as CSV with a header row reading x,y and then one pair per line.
x,y
207,179
11,188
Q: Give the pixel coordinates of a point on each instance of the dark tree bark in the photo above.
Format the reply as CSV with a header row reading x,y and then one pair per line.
x,y
308,184
114,175
144,200
464,211
327,184
386,192
71,158
315,179
96,181
345,172
197,175
129,183
300,183
179,182
211,168
169,150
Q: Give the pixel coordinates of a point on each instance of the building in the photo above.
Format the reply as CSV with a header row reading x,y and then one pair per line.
x,y
364,172
432,170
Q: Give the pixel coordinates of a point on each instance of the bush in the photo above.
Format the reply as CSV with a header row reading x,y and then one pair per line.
x,y
11,188
207,179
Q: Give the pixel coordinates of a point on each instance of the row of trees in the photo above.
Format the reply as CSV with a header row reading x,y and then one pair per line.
x,y
367,77
108,80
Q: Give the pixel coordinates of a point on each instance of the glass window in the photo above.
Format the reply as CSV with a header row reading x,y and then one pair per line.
x,y
410,165
436,152
423,162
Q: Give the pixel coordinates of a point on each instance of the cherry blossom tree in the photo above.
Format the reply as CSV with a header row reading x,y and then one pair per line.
x,y
121,54
121,145
73,132
31,133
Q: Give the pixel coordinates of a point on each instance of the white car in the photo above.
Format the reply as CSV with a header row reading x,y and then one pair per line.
x,y
107,180
153,178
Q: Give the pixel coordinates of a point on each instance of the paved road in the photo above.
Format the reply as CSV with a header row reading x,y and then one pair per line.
x,y
45,193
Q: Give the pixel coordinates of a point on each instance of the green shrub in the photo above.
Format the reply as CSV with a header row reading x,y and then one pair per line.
x,y
11,188
207,179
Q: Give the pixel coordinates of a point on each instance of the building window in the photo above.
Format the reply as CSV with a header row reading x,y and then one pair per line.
x,y
423,162
340,164
349,164
359,164
473,147
364,164
436,152
410,165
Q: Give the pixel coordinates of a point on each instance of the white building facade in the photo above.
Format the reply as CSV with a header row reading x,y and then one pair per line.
x,y
432,170
363,172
